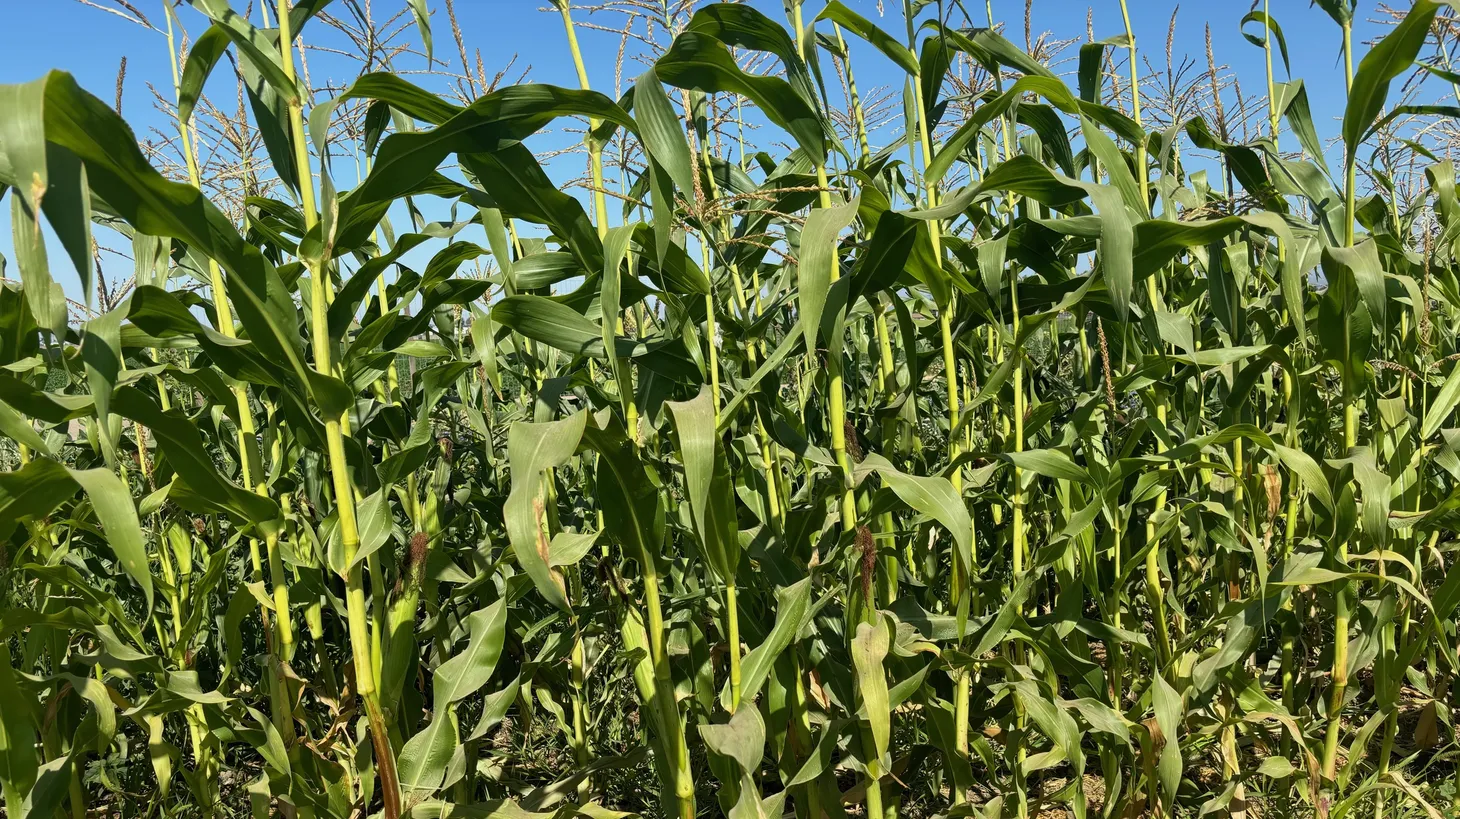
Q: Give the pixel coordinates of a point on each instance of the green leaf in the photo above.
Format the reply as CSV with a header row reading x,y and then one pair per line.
x,y
869,647
95,692
101,350
1276,767
662,131
998,626
1051,463
523,190
1374,489
1342,11
570,547
793,607
837,12
1092,65
1159,241
1220,356
202,488
1023,175
742,738
700,62
422,15
615,253
425,756
1055,722
817,267
708,482
740,25
632,512
52,781
112,502
33,492
1169,715
1444,402
495,707
202,56
23,136
465,674
12,425
531,450
1117,244
992,258
375,523
1362,264
991,49
1389,58
18,742
552,323
1241,632
49,179
1302,465
1271,24
259,49
932,496
120,174
496,121
789,344
52,408
1121,178
1293,103
41,292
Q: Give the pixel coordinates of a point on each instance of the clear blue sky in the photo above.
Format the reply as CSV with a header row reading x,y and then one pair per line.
x,y
68,35
88,42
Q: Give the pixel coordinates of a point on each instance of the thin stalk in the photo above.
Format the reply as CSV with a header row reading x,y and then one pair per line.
x,y
859,118
600,220
887,386
577,663
1019,536
1135,93
600,201
1020,544
712,329
732,620
837,421
732,615
1289,638
1155,591
1342,602
679,764
699,156
945,333
595,151
338,464
245,430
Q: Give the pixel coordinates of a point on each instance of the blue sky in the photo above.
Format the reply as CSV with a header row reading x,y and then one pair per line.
x,y
89,43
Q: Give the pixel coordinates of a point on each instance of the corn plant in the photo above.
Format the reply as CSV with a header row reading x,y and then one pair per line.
x,y
1052,458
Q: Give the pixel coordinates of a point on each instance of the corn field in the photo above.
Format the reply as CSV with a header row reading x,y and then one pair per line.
x,y
982,445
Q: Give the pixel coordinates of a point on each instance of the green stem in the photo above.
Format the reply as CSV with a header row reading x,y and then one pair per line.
x,y
679,764
887,386
960,581
858,116
1343,604
246,432
732,620
1135,93
335,443
600,201
837,421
